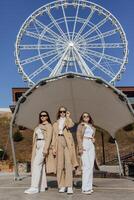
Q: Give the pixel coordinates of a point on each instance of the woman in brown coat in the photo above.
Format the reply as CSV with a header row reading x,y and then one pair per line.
x,y
41,141
64,150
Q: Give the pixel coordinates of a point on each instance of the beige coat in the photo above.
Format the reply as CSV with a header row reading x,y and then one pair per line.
x,y
80,133
49,160
68,137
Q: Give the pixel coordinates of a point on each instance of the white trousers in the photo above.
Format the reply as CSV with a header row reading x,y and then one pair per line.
x,y
38,179
88,158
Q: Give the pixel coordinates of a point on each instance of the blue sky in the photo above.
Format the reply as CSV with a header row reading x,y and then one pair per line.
x,y
12,15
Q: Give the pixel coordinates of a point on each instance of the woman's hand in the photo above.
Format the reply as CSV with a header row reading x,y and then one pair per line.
x,y
81,151
68,114
84,124
45,154
54,152
93,140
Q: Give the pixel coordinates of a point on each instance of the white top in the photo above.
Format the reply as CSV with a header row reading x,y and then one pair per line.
x,y
39,133
61,125
89,131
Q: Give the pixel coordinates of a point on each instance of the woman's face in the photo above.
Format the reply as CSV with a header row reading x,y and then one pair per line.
x,y
86,117
43,117
62,112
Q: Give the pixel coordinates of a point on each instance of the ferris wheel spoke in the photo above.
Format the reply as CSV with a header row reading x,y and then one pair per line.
x,y
102,35
57,26
84,25
38,57
37,72
75,21
104,56
37,36
36,28
49,30
48,39
103,45
95,27
36,46
45,66
63,10
99,66
108,65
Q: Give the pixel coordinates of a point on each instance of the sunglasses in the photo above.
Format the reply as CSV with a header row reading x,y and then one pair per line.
x,y
43,115
62,111
86,116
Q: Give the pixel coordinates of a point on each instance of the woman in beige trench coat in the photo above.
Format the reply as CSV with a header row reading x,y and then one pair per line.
x,y
41,142
64,150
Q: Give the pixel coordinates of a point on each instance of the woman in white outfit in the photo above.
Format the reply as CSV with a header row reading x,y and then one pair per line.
x,y
41,141
85,139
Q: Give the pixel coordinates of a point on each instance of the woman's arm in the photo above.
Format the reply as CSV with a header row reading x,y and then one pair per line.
x,y
79,139
33,146
48,138
53,144
93,139
69,123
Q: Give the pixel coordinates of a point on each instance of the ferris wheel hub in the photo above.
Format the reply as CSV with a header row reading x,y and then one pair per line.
x,y
71,44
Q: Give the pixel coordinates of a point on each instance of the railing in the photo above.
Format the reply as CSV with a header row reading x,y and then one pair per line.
x,y
131,99
124,157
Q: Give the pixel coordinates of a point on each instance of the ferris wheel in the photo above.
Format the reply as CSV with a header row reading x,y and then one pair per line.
x,y
71,36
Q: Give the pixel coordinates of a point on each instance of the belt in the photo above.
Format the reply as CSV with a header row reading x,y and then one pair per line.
x,y
87,137
60,135
39,139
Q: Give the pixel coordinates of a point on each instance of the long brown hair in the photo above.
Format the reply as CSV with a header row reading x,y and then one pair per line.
x,y
90,118
58,113
48,117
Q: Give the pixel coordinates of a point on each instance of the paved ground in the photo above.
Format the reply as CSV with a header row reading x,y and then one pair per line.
x,y
104,189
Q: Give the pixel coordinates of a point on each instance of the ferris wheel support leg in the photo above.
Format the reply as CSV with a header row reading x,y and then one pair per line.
x,y
83,64
59,64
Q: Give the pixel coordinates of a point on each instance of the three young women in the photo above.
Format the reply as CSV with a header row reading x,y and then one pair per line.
x,y
63,149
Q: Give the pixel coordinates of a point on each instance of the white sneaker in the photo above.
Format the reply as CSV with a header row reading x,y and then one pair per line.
x,y
31,190
70,190
87,192
62,190
42,190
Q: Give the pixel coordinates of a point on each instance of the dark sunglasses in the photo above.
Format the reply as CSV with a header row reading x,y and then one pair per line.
x,y
86,116
43,115
62,111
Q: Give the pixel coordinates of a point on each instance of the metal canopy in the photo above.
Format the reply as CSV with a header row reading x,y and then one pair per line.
x,y
108,106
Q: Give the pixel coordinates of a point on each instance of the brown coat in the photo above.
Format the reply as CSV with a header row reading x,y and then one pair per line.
x,y
80,133
68,137
47,130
